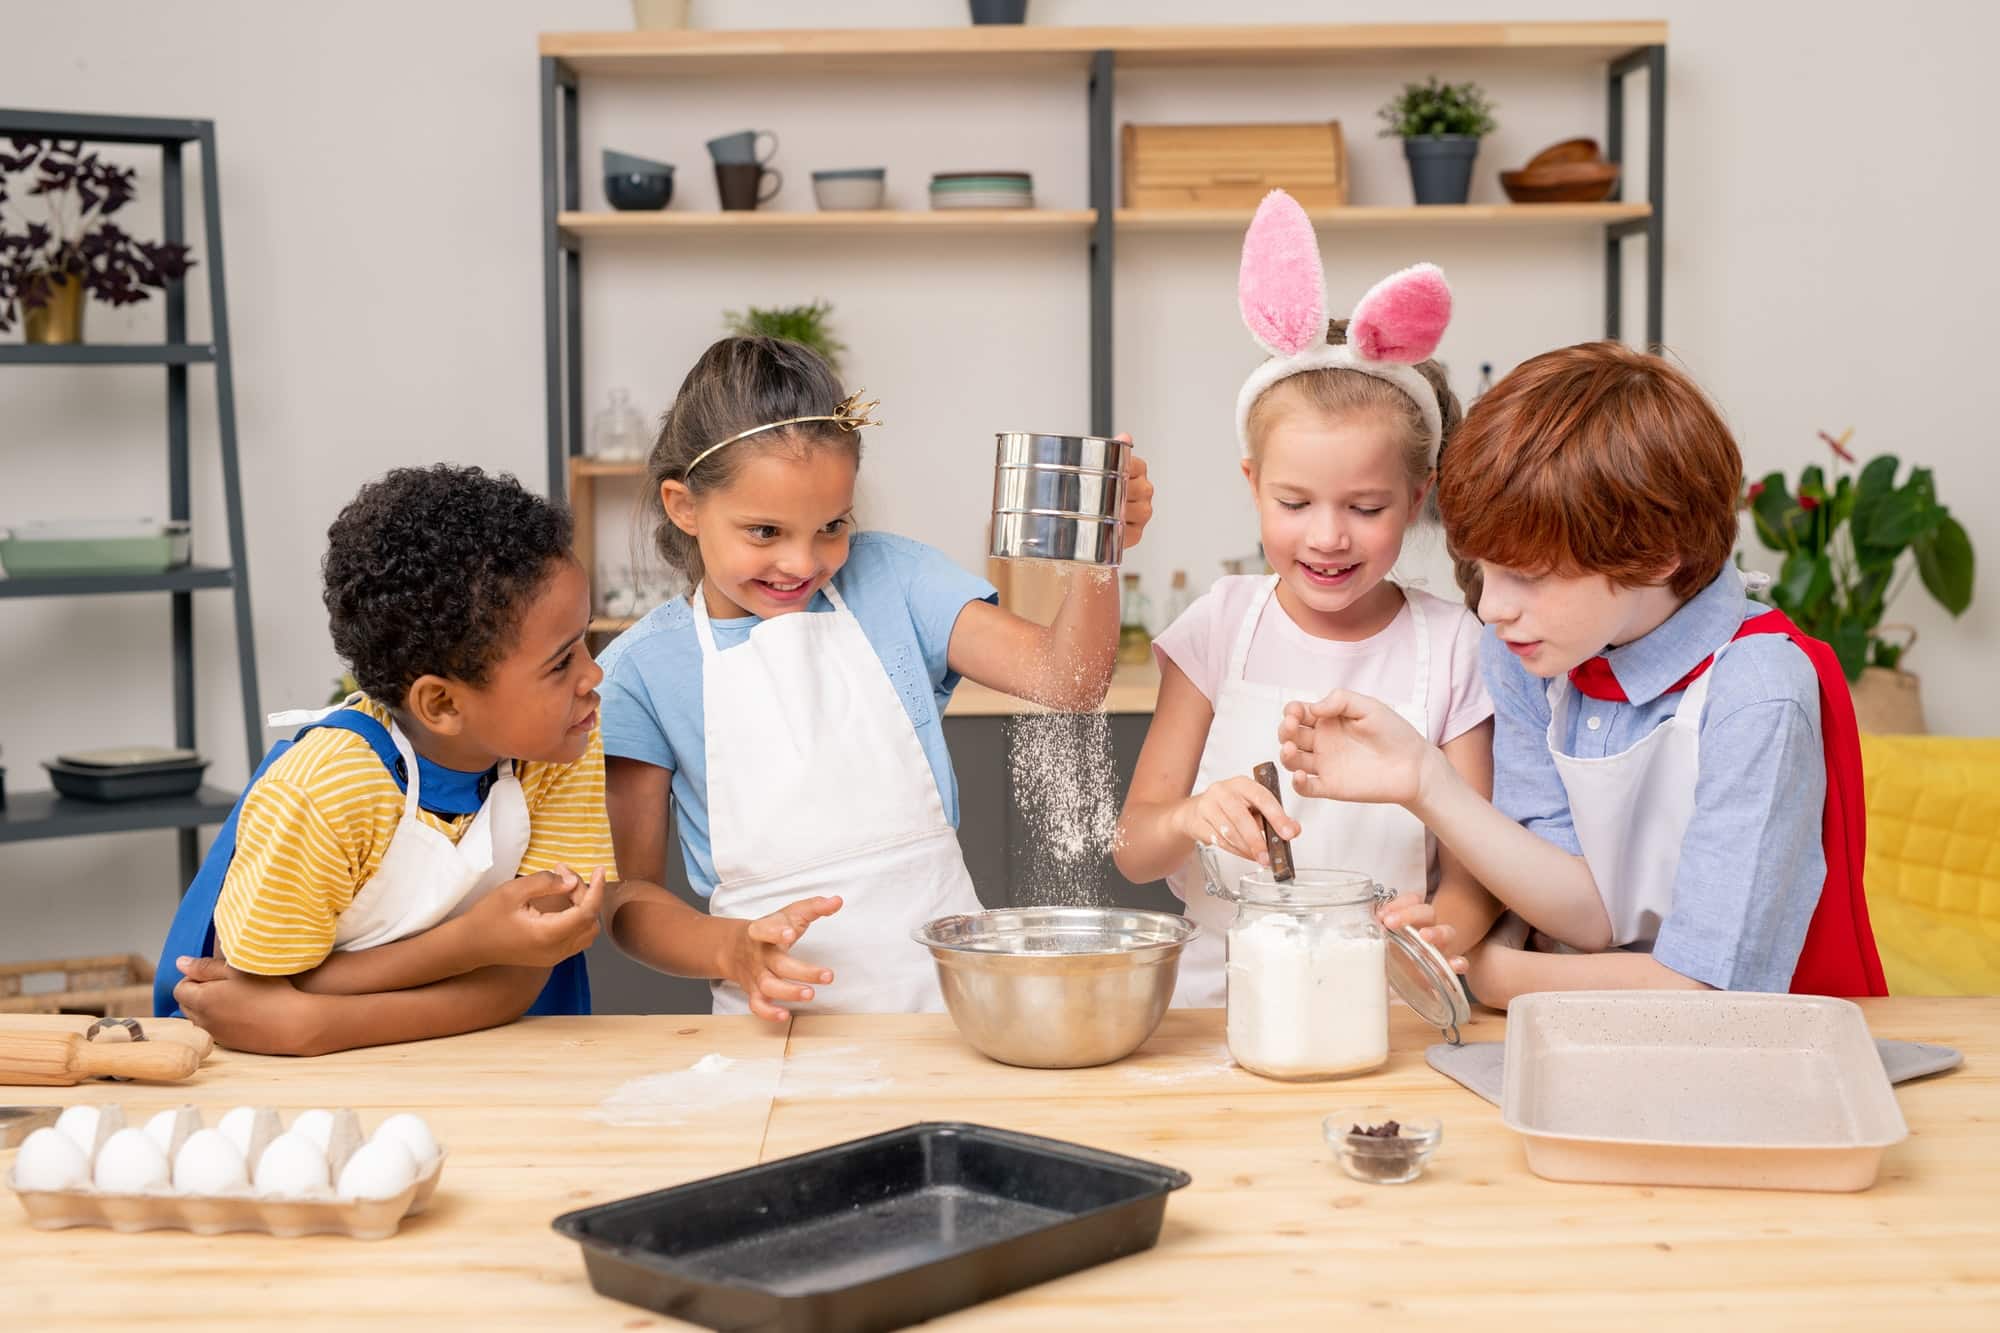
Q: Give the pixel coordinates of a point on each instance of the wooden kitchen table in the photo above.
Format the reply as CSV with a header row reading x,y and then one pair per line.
x,y
1270,1235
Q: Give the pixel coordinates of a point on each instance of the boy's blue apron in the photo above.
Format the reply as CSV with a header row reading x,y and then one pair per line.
x,y
445,792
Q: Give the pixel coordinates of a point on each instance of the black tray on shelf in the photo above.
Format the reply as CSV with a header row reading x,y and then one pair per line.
x,y
135,783
878,1233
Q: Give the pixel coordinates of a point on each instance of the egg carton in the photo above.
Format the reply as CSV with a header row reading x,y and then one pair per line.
x,y
313,1212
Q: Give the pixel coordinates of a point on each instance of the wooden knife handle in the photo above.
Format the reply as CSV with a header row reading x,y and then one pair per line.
x,y
1279,849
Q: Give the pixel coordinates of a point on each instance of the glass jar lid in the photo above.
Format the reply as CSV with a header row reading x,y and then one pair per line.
x,y
1423,977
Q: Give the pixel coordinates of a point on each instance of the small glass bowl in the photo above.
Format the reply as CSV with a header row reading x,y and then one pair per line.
x,y
1382,1161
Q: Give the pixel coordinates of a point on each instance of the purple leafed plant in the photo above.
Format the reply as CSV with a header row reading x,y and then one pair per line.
x,y
77,238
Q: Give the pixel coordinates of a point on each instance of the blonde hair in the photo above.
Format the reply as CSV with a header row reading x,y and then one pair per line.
x,y
1336,392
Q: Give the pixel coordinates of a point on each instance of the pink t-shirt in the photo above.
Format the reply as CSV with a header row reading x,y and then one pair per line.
x,y
1283,654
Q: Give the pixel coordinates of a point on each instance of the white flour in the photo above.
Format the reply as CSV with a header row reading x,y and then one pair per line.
x,y
1066,793
1305,1001
716,1083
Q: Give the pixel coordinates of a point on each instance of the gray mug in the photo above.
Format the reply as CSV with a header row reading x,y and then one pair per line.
x,y
741,147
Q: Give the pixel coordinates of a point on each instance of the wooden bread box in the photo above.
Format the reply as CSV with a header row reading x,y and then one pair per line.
x,y
1233,166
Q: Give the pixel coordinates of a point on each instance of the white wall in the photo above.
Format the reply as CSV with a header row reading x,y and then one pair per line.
x,y
381,185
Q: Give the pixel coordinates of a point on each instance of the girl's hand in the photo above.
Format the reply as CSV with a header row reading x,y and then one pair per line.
x,y
760,962
1138,498
1349,747
1410,909
1223,815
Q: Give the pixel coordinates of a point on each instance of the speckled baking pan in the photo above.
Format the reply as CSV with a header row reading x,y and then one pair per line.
x,y
1712,1088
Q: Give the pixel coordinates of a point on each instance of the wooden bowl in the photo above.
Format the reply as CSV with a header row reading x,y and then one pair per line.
x,y
1570,183
1569,150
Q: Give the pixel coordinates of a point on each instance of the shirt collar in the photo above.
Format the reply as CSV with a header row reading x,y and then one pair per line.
x,y
1648,666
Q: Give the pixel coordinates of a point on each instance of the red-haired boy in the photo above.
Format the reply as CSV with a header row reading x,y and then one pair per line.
x,y
1677,772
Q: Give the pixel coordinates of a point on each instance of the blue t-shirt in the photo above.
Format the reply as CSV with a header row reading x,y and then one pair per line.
x,y
906,596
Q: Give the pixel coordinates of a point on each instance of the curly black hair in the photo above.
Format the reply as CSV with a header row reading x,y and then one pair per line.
x,y
427,570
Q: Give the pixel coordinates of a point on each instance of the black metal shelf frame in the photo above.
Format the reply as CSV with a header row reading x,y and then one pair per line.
x,y
40,814
562,297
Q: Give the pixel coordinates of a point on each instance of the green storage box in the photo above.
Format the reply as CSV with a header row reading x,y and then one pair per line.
x,y
94,546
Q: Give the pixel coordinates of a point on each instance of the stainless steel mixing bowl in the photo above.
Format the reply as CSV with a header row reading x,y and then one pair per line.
x,y
1057,987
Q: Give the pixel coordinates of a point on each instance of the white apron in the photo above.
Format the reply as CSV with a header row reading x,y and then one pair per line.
x,y
425,877
1383,841
1631,809
817,784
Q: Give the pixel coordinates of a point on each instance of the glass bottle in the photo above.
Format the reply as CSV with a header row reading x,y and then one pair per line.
x,y
618,432
1178,597
1135,642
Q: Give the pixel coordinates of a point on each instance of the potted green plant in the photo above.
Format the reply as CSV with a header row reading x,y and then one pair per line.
x,y
805,324
1440,125
1850,545
48,265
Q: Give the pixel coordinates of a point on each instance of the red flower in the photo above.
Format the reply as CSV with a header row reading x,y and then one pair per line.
x,y
1756,489
1808,502
1839,446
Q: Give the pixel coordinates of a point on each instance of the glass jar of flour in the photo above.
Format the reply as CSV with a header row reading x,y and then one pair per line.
x,y
1310,970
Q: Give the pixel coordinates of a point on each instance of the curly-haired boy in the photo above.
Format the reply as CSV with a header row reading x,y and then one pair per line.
x,y
401,868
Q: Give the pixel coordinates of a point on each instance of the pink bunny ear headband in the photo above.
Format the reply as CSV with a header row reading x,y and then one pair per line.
x,y
1282,292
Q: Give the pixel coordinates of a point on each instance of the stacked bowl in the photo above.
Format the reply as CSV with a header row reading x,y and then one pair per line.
x,y
982,189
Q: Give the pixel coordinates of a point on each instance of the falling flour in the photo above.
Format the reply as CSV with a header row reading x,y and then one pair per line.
x,y
1065,789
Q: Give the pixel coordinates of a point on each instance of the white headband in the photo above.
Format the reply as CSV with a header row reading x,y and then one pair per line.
x,y
1329,357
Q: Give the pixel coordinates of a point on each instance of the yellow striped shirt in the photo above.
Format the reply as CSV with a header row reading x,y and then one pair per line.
x,y
314,829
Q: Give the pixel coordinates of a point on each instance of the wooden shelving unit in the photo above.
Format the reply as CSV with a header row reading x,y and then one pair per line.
x,y
668,224
1622,48
967,220
658,53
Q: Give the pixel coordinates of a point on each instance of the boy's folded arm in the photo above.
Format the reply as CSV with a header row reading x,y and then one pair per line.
x,y
480,999
447,949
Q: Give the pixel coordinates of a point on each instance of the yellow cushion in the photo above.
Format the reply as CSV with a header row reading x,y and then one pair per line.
x,y
1933,871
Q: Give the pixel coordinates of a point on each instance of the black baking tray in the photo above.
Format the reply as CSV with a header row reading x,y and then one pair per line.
x,y
136,783
877,1233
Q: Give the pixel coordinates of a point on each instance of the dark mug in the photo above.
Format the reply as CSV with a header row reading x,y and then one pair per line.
x,y
741,184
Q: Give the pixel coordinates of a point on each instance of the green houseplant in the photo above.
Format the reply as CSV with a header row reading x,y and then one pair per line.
x,y
1850,544
1440,125
804,324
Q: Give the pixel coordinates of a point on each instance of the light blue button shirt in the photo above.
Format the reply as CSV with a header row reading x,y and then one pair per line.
x,y
907,597
1752,863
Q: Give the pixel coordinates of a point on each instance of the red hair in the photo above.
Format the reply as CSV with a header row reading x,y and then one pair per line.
x,y
1595,459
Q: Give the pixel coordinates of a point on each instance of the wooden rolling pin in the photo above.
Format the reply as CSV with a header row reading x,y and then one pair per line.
x,y
155,1029
59,1059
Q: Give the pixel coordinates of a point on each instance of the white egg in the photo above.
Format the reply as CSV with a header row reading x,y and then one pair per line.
x,y
292,1165
50,1160
130,1163
238,1125
160,1129
379,1169
80,1123
316,1125
414,1134
209,1164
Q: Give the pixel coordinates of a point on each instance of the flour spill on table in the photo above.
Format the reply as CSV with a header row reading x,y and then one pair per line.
x,y
718,1083
1207,1069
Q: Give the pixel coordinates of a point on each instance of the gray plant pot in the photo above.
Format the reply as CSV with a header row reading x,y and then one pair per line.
x,y
999,11
1441,167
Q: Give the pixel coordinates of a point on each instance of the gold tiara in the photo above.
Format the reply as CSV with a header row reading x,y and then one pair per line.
x,y
850,414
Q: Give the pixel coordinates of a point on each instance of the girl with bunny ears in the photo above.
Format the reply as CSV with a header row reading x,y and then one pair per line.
x,y
1339,431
